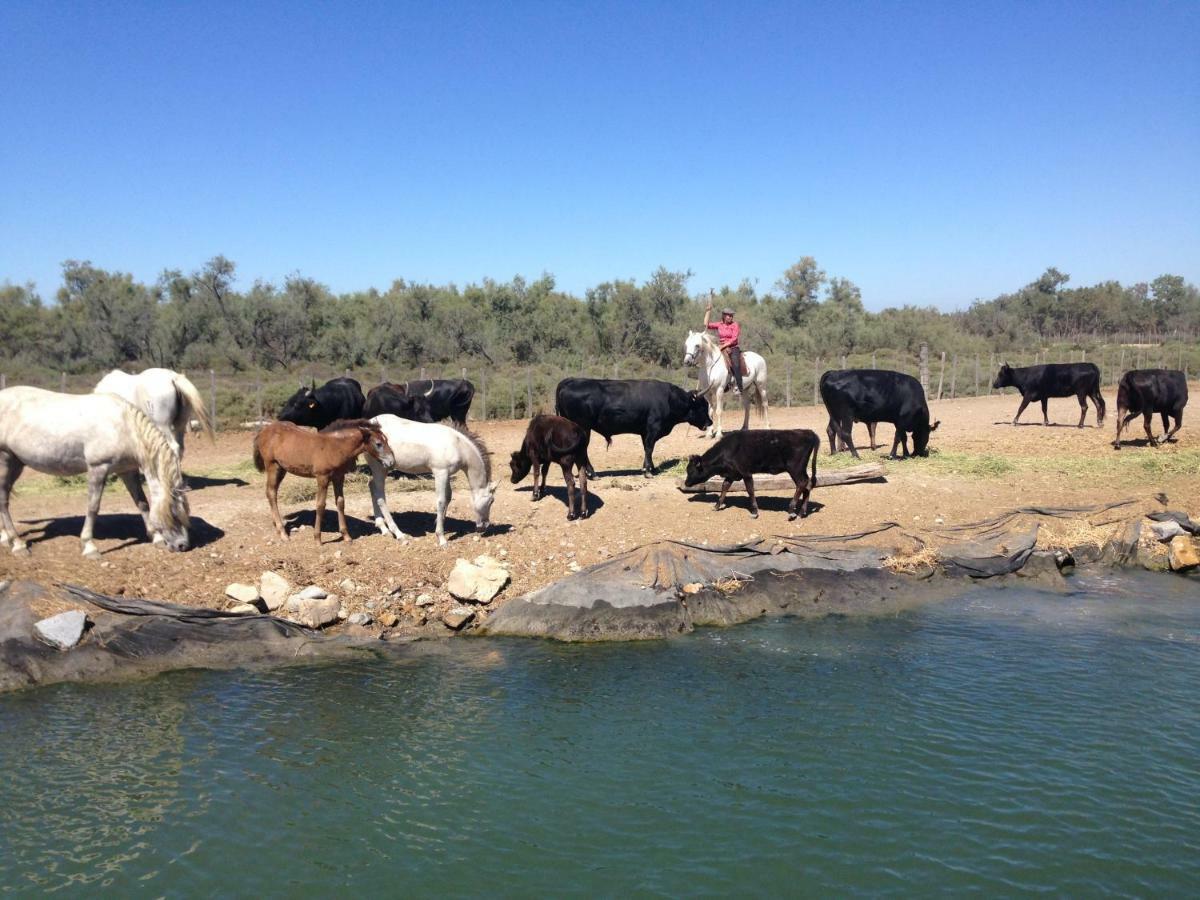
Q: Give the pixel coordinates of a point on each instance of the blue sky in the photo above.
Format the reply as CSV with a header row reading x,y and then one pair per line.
x,y
932,153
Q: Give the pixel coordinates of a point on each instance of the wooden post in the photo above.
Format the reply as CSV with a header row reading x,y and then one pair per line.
x,y
941,375
1120,365
512,397
346,374
925,368
464,373
3,381
483,391
953,375
62,382
528,393
976,394
422,373
873,359
787,391
843,360
212,396
991,369
816,378
258,398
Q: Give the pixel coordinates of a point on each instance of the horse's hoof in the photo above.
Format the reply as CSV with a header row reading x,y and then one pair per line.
x,y
23,550
91,553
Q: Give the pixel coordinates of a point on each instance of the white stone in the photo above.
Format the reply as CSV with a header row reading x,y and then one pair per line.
x,y
1164,531
477,583
424,600
244,609
312,592
274,590
315,612
63,630
242,593
359,618
348,585
458,616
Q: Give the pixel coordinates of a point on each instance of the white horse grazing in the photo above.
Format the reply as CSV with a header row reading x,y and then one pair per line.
x,y
168,398
100,434
420,448
702,350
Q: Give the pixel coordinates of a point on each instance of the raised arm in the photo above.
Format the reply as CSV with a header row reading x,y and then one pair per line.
x,y
708,309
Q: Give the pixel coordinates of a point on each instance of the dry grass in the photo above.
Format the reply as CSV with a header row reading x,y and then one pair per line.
x,y
732,584
908,563
1067,534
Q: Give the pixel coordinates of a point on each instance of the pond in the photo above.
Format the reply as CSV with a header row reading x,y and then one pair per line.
x,y
1011,741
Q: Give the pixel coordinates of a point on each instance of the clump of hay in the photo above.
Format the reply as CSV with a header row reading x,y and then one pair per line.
x,y
1069,534
908,563
731,584
296,489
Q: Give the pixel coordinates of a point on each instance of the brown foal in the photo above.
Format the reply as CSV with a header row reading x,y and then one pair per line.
x,y
328,455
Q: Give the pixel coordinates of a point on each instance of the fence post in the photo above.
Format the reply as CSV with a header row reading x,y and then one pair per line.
x,y
258,398
872,359
816,377
464,373
787,391
616,370
62,382
483,390
925,368
3,381
528,393
976,394
953,376
422,373
512,397
941,375
382,374
212,396
843,360
991,369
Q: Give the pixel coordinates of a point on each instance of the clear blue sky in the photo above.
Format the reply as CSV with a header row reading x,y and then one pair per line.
x,y
932,153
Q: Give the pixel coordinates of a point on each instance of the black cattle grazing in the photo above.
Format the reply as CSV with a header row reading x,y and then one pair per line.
x,y
629,406
554,439
448,398
1080,380
743,454
1150,391
876,395
340,398
391,398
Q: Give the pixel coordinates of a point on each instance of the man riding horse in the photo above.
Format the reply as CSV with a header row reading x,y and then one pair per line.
x,y
728,332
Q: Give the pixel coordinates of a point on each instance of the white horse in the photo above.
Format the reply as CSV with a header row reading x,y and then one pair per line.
x,y
420,448
701,349
100,434
168,398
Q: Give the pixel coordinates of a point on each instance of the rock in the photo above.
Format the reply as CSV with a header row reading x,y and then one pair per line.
x,y
573,566
478,583
245,609
1165,531
359,618
424,600
694,588
370,605
315,612
347,584
274,590
64,630
1184,554
389,620
312,592
457,616
242,593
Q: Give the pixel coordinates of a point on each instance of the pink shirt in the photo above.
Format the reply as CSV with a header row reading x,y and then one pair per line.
x,y
728,334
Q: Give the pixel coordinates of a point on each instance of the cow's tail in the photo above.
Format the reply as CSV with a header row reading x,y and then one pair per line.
x,y
190,406
1098,399
816,451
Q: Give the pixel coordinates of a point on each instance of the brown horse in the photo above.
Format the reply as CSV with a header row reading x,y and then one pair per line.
x,y
328,455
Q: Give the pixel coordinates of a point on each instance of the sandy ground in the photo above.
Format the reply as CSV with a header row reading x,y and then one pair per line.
x,y
980,465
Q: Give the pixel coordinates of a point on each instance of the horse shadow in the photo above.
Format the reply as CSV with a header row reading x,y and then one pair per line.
x,y
126,527
417,524
559,492
329,523
1041,425
766,503
199,482
617,473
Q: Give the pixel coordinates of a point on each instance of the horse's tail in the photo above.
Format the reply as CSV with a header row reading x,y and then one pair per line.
x,y
158,459
258,459
191,406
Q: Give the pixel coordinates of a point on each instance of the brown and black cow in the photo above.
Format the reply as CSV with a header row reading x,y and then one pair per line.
x,y
740,455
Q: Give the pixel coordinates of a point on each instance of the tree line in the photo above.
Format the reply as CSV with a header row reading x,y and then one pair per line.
x,y
101,319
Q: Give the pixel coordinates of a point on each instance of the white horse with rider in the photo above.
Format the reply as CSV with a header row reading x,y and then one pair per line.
x,y
710,355
168,398
96,434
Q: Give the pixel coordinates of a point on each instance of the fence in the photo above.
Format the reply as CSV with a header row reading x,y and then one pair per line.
x,y
516,392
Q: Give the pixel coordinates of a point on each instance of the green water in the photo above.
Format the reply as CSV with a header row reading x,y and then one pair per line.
x,y
1009,742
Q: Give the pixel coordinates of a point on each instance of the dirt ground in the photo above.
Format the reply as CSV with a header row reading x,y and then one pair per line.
x,y
980,464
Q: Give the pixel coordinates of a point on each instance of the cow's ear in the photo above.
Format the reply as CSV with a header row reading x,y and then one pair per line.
x,y
693,458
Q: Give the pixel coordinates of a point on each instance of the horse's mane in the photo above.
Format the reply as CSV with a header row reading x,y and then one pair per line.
x,y
156,456
479,445
350,423
707,337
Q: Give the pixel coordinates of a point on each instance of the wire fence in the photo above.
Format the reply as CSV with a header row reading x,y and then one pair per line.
x,y
243,399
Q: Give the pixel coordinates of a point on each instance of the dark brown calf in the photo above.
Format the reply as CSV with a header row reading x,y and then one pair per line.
x,y
553,439
742,454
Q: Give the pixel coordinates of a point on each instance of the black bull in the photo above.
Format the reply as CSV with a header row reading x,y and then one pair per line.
x,y
630,406
1079,380
340,398
391,398
1146,392
876,395
447,398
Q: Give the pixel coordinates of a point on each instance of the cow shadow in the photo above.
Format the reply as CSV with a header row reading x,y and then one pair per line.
x,y
1040,425
559,492
617,473
766,503
329,523
418,524
125,527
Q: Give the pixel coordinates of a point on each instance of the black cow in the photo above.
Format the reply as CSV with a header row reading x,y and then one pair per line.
x,y
876,395
341,398
391,398
554,439
1081,380
742,454
629,406
448,398
1150,391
